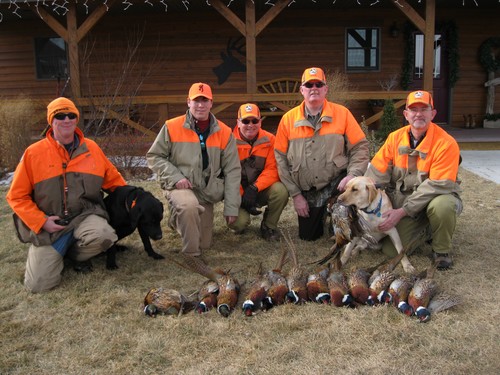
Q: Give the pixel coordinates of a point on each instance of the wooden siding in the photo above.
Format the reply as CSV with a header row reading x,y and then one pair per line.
x,y
180,49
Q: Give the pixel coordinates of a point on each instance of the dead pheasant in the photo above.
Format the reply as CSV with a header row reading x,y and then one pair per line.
x,y
207,296
399,290
256,297
296,278
229,287
346,224
337,285
166,302
277,291
317,286
381,279
357,280
442,301
421,294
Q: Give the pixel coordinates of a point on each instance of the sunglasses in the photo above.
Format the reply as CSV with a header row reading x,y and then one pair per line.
x,y
254,121
62,116
310,85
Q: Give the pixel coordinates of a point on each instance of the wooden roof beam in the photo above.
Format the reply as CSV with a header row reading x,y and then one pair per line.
x,y
411,14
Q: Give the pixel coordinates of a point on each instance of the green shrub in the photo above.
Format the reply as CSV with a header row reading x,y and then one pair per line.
x,y
388,122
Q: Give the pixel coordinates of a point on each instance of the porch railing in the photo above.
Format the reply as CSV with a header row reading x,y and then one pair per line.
x,y
221,102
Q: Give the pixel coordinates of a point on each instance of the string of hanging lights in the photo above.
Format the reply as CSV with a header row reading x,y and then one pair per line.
x,y
60,7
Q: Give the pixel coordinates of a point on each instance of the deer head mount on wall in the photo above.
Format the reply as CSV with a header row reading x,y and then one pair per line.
x,y
231,63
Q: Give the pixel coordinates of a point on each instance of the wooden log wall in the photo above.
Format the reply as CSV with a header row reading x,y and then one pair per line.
x,y
178,49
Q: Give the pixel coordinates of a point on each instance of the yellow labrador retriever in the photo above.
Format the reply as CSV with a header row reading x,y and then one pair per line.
x,y
371,203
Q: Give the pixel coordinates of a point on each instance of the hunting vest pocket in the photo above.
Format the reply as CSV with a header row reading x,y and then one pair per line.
x,y
26,235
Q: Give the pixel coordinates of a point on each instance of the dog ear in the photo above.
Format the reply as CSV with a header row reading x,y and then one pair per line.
x,y
372,192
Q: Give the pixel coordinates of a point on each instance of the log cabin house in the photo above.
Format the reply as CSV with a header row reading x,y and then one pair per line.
x,y
135,60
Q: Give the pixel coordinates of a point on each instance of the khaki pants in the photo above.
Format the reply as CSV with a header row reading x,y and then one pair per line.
x,y
437,224
276,199
192,220
44,264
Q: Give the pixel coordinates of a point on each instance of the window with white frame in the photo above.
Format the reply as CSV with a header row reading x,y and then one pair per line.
x,y
362,49
419,56
51,58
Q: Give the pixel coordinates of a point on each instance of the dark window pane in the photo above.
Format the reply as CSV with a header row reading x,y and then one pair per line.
x,y
362,49
50,57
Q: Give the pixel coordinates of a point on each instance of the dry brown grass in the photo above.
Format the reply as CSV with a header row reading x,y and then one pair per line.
x,y
93,324
17,119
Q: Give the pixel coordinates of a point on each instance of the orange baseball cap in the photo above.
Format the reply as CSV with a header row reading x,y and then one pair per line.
x,y
200,89
248,110
420,96
313,74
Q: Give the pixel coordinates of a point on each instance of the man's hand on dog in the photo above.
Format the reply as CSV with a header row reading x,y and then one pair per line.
x,y
183,184
342,184
392,218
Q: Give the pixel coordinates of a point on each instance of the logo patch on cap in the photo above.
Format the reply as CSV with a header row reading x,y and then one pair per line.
x,y
419,94
313,71
248,108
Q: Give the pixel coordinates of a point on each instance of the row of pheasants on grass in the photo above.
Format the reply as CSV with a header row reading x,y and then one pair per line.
x,y
413,295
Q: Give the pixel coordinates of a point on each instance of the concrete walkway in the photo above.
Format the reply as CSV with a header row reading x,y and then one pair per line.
x,y
483,163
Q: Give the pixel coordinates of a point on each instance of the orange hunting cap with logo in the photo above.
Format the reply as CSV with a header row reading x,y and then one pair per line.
x,y
248,110
420,96
63,105
200,89
313,74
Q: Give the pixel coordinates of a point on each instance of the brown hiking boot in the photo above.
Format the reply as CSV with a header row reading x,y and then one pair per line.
x,y
443,261
269,234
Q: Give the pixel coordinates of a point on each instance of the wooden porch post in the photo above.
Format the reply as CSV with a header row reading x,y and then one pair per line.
x,y
74,57
251,54
427,27
430,19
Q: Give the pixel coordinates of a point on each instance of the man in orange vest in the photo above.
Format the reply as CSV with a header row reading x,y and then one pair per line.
x,y
418,164
56,195
319,147
260,184
196,161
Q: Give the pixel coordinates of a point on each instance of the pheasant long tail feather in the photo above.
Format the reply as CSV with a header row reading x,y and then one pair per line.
x,y
197,266
291,247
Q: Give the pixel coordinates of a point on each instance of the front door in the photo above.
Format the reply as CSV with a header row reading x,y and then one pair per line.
x,y
441,91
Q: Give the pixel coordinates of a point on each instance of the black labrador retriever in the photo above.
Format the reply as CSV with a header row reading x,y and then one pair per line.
x,y
131,208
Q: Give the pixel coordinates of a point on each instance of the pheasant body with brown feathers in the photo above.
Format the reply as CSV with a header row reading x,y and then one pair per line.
x,y
255,298
399,290
421,294
358,285
207,296
317,286
163,301
346,224
229,287
296,278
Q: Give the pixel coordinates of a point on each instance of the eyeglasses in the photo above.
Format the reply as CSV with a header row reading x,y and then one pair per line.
x,y
254,121
418,110
62,116
310,85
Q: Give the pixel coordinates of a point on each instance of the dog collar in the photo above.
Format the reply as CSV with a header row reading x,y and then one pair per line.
x,y
376,211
